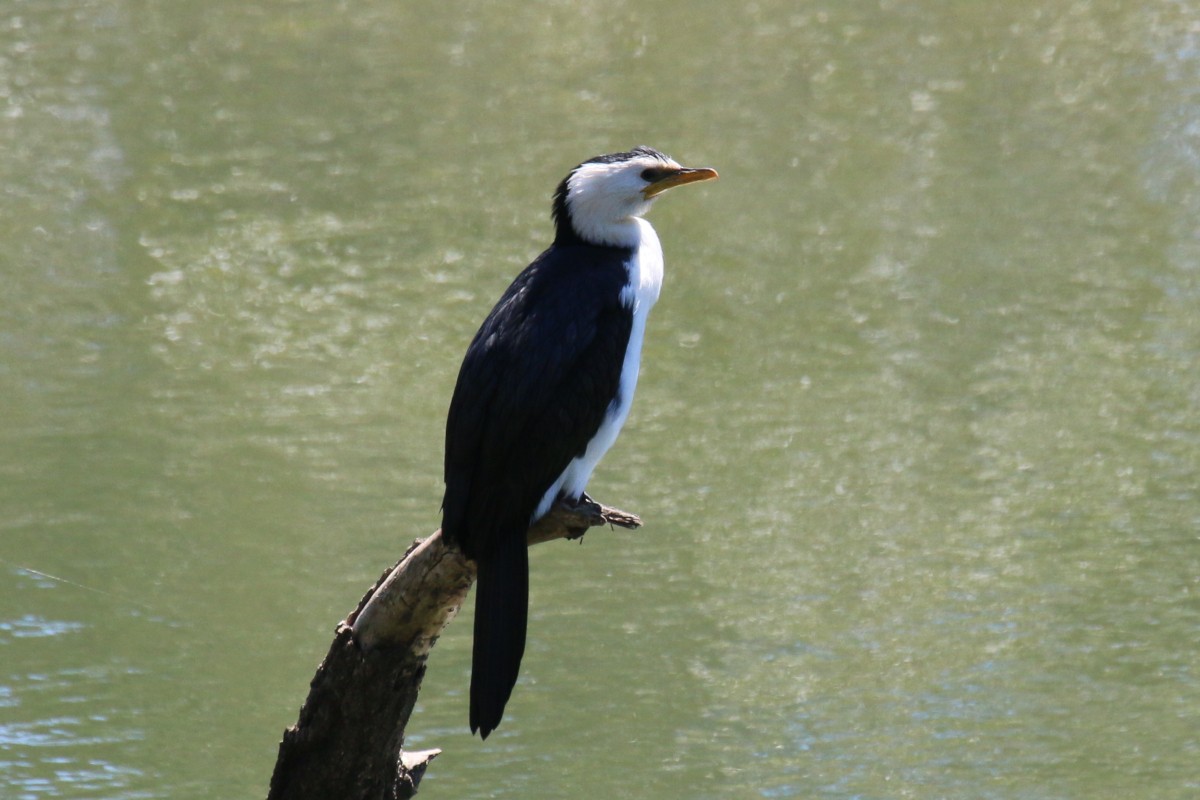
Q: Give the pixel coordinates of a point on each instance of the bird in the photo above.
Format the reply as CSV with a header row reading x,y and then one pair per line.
x,y
544,388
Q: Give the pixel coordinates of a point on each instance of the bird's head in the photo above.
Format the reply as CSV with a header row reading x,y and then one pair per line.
x,y
600,199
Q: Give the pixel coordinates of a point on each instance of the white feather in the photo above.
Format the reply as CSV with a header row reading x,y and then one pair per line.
x,y
645,282
605,200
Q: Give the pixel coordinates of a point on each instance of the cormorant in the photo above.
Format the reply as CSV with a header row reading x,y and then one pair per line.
x,y
545,387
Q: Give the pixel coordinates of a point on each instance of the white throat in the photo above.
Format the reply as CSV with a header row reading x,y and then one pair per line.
x,y
645,282
603,209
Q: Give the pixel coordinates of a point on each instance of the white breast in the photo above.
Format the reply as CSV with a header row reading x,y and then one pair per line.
x,y
645,282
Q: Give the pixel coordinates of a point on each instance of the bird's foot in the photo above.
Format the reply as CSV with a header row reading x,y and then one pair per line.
x,y
583,504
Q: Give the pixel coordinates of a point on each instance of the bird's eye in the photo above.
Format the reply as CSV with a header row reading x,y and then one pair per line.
x,y
654,174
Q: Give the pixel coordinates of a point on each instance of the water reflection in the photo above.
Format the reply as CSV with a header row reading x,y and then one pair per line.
x,y
31,626
65,746
916,440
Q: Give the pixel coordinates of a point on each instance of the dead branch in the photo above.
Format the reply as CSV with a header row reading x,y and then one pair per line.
x,y
348,740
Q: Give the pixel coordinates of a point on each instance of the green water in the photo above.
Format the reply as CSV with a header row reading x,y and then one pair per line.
x,y
917,438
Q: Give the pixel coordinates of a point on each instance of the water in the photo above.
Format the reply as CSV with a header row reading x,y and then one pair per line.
x,y
916,438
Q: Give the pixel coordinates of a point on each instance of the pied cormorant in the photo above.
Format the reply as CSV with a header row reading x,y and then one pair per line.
x,y
545,387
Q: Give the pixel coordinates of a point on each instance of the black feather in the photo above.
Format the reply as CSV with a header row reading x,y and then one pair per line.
x,y
533,389
501,609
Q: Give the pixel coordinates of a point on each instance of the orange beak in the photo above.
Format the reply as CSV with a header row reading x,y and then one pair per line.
x,y
684,175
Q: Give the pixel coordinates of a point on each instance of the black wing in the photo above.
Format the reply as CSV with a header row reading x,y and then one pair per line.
x,y
533,389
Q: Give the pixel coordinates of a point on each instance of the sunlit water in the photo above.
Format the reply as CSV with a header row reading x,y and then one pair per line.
x,y
916,438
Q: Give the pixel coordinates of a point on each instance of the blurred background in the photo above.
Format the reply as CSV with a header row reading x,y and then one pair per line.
x,y
916,440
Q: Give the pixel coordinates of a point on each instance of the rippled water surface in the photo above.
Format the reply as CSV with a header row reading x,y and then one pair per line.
x,y
916,440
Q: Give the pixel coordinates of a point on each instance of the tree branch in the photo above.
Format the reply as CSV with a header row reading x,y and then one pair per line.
x,y
348,740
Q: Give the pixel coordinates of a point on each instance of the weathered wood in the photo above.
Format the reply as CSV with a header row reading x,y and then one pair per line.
x,y
348,740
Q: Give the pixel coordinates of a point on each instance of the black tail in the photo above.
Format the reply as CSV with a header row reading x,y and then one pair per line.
x,y
501,609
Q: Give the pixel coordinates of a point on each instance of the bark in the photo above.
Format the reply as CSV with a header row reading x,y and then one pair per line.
x,y
348,741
